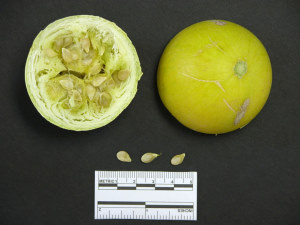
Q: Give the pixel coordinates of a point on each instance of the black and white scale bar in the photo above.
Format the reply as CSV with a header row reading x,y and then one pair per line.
x,y
170,206
164,188
107,185
126,188
157,206
120,203
183,185
145,185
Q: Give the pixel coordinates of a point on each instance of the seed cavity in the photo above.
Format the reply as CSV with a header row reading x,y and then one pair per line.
x,y
240,114
123,156
177,159
66,84
149,157
93,81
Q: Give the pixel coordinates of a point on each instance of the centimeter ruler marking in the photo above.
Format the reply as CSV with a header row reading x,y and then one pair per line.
x,y
151,195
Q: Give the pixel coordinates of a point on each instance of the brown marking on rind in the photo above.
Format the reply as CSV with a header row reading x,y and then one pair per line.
x,y
238,117
245,104
216,82
219,22
228,105
241,113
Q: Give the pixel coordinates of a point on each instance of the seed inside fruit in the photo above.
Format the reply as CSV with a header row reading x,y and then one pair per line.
x,y
50,52
177,159
105,99
123,156
67,41
66,84
58,44
116,79
67,55
90,91
102,50
96,68
97,81
85,43
123,74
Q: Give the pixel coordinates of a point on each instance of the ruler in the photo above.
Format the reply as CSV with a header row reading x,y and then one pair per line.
x,y
146,195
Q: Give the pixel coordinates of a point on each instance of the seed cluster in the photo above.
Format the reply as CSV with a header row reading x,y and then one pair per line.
x,y
84,61
149,157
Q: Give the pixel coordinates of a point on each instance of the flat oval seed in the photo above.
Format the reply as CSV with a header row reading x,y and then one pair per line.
x,y
74,56
111,84
123,156
102,50
85,44
149,157
116,79
66,84
77,96
90,91
96,68
87,61
123,74
67,41
49,52
105,99
67,55
97,96
97,81
177,159
58,44
72,102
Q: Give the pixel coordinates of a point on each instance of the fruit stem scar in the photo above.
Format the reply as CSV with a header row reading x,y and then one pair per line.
x,y
240,68
217,82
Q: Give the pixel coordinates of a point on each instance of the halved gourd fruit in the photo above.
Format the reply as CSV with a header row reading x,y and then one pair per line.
x,y
82,72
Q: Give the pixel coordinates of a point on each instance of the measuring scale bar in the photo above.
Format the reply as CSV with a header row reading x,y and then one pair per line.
x,y
114,186
146,195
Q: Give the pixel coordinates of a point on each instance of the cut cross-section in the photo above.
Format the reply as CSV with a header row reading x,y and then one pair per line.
x,y
82,72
